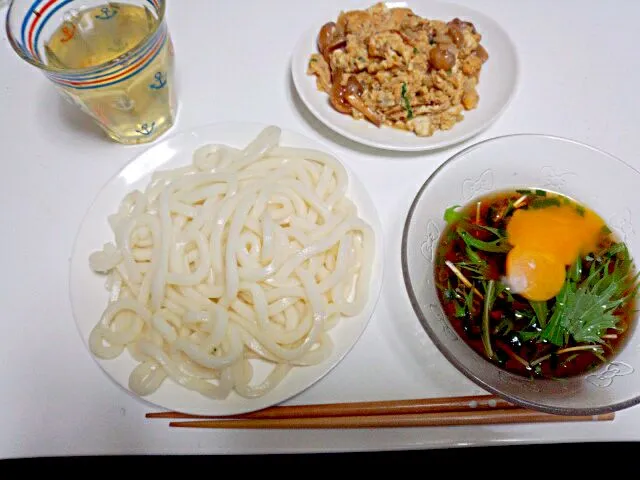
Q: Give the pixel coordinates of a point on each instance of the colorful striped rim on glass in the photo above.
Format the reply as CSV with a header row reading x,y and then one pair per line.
x,y
29,42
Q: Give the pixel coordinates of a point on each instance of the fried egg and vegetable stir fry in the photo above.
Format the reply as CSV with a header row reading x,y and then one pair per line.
x,y
395,68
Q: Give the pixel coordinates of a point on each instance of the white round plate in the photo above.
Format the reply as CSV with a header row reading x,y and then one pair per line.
x,y
497,85
89,296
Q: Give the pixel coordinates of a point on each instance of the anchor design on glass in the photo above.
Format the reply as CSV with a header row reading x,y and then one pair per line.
x,y
124,103
555,178
484,182
161,81
69,32
436,312
107,13
428,247
605,377
146,129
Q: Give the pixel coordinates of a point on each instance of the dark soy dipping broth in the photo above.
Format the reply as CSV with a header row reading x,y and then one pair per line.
x,y
515,333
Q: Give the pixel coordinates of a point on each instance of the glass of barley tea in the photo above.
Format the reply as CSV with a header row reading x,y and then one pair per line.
x,y
114,60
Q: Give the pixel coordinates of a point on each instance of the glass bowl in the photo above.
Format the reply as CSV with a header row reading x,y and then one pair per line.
x,y
600,181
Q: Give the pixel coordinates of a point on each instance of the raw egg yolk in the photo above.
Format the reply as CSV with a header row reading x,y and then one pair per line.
x,y
535,275
545,241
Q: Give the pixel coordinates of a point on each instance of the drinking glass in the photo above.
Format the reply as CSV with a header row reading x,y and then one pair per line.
x,y
113,60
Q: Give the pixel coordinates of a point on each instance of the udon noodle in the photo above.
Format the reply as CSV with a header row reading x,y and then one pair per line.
x,y
244,256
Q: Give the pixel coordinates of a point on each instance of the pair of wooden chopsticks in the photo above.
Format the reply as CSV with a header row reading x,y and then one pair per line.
x,y
427,412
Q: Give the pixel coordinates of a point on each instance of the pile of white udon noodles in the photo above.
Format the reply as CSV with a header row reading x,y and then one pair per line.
x,y
245,255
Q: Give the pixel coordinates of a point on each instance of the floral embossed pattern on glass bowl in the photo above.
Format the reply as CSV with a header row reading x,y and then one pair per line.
x,y
594,178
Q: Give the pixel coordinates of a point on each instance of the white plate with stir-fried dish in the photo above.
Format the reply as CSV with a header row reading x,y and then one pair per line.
x,y
226,269
406,76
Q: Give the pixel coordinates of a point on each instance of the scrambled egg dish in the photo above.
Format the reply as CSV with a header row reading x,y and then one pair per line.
x,y
395,68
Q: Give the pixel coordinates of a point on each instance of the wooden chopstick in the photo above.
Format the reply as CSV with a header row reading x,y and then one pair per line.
x,y
422,412
385,407
468,417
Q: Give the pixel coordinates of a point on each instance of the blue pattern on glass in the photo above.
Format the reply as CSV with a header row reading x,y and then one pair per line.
x,y
107,13
161,81
146,129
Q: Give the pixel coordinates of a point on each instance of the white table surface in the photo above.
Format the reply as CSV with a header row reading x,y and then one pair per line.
x,y
579,79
